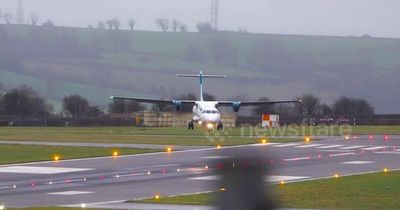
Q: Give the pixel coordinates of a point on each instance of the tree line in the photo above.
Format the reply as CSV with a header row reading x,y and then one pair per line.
x,y
311,106
24,101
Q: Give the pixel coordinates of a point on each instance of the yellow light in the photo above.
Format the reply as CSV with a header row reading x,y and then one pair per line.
x,y
83,205
157,196
169,149
2,207
307,139
385,170
56,158
218,146
336,176
115,153
264,141
210,126
222,189
282,182
347,137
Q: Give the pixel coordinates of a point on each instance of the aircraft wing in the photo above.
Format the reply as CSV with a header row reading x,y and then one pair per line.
x,y
154,101
255,103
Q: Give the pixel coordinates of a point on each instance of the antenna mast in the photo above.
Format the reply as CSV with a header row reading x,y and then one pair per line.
x,y
20,18
214,17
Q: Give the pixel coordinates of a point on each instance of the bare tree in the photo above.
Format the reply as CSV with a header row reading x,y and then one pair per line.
x,y
175,25
117,23
131,23
110,24
205,27
8,17
309,105
163,24
101,25
183,28
34,18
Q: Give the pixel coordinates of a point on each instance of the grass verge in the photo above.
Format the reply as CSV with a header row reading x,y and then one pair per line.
x,y
32,153
369,191
179,136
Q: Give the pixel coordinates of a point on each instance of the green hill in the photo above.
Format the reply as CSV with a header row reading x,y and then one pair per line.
x,y
97,63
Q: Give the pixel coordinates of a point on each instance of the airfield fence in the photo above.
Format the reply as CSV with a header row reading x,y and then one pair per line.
x,y
181,120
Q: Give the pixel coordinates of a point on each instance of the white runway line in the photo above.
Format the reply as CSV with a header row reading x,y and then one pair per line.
x,y
357,162
40,170
352,147
286,145
308,145
330,146
342,154
216,157
71,193
388,152
374,148
266,144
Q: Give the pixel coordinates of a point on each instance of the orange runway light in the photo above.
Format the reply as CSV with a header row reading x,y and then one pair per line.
x,y
336,176
169,149
307,139
218,146
115,153
222,189
282,182
56,158
385,170
157,196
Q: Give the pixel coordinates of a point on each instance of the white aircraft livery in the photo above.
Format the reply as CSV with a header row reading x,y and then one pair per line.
x,y
205,113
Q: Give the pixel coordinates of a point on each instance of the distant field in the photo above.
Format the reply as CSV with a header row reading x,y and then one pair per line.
x,y
142,63
180,135
370,191
27,153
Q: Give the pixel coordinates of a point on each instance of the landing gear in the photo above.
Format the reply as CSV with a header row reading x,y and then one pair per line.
x,y
220,126
191,125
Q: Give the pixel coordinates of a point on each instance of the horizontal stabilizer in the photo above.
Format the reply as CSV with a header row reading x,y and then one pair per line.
x,y
198,75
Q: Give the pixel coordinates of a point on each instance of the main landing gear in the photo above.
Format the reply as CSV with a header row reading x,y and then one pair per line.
x,y
220,126
191,125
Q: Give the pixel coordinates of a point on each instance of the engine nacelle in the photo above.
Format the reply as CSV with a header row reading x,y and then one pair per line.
x,y
178,105
236,106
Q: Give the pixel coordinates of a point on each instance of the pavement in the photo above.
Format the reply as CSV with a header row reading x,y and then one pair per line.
x,y
100,182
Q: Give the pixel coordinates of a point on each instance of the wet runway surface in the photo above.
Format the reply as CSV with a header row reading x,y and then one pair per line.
x,y
141,176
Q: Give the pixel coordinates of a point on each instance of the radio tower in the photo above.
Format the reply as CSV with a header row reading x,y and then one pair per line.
x,y
214,14
20,18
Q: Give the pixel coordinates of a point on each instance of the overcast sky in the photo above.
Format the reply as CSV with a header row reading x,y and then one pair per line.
x,y
314,17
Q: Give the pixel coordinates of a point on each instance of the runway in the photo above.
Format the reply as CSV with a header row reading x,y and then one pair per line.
x,y
85,181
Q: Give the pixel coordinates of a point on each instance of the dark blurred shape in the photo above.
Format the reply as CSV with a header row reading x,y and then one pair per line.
x,y
242,186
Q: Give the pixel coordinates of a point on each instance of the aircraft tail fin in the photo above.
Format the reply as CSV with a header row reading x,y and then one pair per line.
x,y
201,77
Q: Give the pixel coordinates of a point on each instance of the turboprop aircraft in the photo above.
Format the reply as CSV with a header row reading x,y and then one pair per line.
x,y
205,113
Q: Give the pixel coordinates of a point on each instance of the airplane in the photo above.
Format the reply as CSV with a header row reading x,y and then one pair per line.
x,y
205,113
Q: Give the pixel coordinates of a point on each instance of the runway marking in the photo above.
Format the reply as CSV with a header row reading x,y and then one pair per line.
x,y
40,170
357,162
298,158
374,148
308,145
215,157
71,193
272,178
266,144
352,147
388,152
286,145
330,146
342,154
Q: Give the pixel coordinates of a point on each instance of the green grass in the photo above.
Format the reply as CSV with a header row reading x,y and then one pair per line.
x,y
370,191
29,153
54,208
179,135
